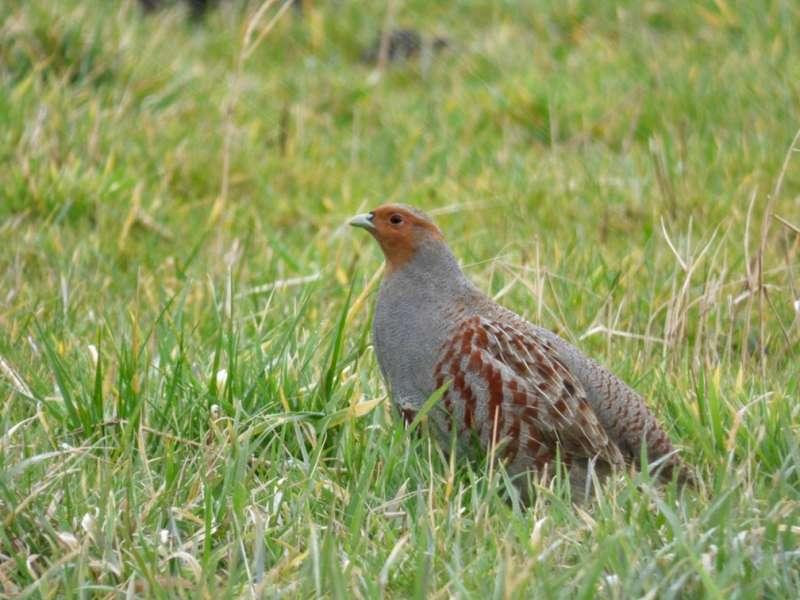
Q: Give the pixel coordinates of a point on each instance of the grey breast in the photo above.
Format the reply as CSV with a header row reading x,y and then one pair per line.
x,y
407,333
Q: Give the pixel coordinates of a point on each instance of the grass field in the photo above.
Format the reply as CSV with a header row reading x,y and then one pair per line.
x,y
189,402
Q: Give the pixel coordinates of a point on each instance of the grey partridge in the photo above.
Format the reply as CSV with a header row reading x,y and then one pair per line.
x,y
511,385
403,44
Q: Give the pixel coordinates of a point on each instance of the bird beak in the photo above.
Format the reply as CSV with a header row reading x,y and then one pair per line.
x,y
365,221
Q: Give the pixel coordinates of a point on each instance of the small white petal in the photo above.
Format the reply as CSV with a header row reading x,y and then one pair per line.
x,y
88,524
222,378
797,306
163,537
93,354
707,558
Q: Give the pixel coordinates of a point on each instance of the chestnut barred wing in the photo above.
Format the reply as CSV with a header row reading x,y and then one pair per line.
x,y
509,386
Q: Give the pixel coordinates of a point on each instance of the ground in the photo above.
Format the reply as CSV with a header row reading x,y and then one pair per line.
x,y
190,405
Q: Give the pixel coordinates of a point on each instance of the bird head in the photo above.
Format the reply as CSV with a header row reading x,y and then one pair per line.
x,y
400,231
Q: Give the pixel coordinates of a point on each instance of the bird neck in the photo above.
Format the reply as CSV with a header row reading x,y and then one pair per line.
x,y
432,278
431,264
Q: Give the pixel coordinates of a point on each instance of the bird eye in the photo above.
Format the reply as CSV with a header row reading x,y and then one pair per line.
x,y
395,219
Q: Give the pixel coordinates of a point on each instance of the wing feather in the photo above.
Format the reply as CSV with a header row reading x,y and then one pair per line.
x,y
509,384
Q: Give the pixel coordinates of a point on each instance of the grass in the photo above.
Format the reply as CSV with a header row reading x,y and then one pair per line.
x,y
190,403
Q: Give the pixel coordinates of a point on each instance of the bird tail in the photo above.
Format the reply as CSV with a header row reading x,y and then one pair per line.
x,y
672,467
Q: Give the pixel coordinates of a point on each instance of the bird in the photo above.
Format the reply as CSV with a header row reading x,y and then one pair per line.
x,y
198,8
401,45
511,389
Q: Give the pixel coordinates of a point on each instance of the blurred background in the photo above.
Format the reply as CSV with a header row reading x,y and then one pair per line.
x,y
147,140
137,133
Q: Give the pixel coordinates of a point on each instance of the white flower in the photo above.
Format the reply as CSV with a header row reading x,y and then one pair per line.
x,y
93,354
89,523
797,306
707,559
222,379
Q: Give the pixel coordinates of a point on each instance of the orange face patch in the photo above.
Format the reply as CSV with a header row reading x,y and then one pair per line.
x,y
399,231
